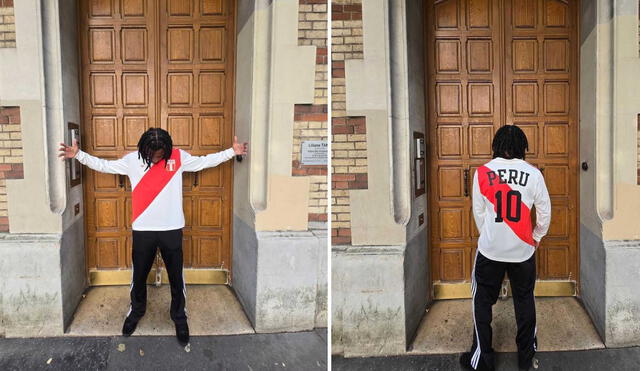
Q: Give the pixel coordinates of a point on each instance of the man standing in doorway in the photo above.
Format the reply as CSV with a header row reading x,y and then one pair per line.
x,y
504,190
155,172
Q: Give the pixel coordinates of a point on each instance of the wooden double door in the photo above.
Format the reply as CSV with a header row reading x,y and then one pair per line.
x,y
492,63
168,64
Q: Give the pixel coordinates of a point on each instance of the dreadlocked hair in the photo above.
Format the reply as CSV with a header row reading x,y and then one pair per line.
x,y
152,140
510,142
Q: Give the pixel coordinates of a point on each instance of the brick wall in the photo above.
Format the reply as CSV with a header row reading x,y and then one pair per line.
x,y
348,133
10,157
310,120
7,25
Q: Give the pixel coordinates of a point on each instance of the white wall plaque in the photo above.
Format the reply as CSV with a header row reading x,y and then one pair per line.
x,y
315,152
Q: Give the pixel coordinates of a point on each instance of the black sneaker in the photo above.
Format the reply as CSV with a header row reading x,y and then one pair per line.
x,y
465,362
129,326
528,365
182,333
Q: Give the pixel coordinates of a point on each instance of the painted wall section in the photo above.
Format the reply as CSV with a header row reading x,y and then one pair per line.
x,y
368,94
7,25
310,120
288,59
27,198
349,132
625,105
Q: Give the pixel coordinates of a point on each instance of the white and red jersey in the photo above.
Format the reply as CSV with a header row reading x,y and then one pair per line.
x,y
156,195
504,191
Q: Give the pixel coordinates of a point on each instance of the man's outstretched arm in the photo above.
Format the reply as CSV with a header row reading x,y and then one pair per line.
x,y
197,163
104,166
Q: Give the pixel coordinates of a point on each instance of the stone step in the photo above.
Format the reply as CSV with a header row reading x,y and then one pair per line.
x,y
563,324
211,309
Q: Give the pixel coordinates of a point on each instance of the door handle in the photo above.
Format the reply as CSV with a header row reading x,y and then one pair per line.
x,y
195,179
121,181
466,182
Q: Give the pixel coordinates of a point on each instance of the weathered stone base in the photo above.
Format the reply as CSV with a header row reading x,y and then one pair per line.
x,y
280,278
41,282
379,297
611,294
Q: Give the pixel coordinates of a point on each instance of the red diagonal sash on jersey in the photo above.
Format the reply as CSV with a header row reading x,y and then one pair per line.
x,y
521,228
153,182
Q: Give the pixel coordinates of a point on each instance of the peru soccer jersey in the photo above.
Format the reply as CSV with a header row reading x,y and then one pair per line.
x,y
504,192
156,197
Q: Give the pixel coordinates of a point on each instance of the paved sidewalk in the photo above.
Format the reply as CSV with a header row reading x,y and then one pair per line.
x,y
285,351
621,359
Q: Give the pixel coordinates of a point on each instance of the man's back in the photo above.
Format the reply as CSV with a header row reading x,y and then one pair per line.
x,y
504,192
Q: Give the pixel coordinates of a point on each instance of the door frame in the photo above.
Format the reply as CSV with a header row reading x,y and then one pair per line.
x,y
192,275
546,288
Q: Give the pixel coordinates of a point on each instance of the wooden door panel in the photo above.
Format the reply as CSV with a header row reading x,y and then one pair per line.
x,y
208,252
447,15
212,7
105,133
464,100
180,7
101,8
453,264
196,108
211,41
211,89
210,131
180,45
556,143
524,58
480,136
448,56
556,55
135,90
525,13
449,98
480,98
478,14
480,52
181,130
134,45
133,127
211,179
110,254
556,13
450,183
133,8
103,89
169,64
449,141
209,213
516,67
452,223
101,45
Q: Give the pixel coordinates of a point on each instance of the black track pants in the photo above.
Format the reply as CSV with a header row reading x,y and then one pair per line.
x,y
486,282
145,244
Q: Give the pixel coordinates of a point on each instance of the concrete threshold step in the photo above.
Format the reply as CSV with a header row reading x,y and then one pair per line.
x,y
211,309
563,324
